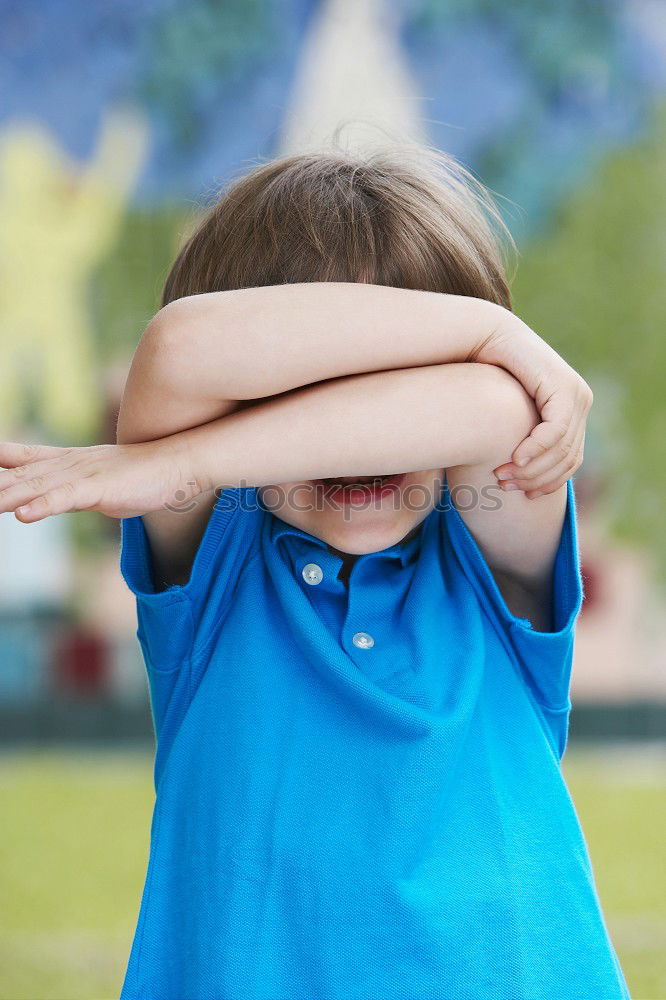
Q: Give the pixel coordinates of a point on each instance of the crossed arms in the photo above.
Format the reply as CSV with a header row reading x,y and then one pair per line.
x,y
293,382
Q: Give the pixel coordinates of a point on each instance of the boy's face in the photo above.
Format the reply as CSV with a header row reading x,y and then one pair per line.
x,y
361,521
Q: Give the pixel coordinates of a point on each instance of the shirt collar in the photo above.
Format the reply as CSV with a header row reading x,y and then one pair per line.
x,y
406,552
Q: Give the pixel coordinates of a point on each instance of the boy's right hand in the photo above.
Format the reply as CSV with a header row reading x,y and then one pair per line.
x,y
37,481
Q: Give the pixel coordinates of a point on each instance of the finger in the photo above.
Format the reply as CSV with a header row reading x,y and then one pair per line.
x,y
552,478
61,500
550,488
561,414
546,466
562,419
541,444
567,465
547,482
23,492
13,453
28,481
43,468
546,460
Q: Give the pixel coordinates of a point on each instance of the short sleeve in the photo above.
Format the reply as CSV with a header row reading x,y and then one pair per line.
x,y
170,621
545,658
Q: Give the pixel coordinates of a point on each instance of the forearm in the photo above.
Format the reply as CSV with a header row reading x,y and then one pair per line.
x,y
402,420
256,342
196,364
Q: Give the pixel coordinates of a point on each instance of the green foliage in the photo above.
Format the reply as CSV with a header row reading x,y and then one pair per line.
x,y
90,532
593,286
126,288
198,52
551,47
124,293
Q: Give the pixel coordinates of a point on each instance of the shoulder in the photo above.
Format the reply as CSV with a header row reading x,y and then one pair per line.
x,y
226,537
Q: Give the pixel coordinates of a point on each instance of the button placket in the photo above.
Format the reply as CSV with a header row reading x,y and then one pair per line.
x,y
361,640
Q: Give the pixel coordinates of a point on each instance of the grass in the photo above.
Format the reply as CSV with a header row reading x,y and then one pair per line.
x,y
74,848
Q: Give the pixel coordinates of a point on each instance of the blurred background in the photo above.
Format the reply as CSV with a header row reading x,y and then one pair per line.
x,y
119,123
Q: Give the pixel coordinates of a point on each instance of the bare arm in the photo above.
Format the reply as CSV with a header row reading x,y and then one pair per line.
x,y
201,354
403,420
148,412
255,342
461,417
465,418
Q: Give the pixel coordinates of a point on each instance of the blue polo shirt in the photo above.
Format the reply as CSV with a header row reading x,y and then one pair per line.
x,y
358,790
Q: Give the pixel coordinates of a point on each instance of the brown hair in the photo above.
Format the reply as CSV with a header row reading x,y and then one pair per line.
x,y
411,218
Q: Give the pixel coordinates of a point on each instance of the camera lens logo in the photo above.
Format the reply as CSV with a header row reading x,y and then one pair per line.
x,y
182,505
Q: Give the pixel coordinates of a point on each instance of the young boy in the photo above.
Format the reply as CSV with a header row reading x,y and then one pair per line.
x,y
360,693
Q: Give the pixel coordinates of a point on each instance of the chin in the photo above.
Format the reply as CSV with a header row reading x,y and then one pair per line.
x,y
358,538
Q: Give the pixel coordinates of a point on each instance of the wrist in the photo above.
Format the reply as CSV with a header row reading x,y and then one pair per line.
x,y
184,454
513,345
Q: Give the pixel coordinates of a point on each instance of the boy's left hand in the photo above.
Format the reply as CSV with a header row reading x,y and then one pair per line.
x,y
37,481
553,451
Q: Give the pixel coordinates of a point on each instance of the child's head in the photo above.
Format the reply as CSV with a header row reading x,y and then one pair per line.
x,y
411,218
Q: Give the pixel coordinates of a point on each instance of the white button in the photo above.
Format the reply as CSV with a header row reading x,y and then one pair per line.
x,y
312,573
363,640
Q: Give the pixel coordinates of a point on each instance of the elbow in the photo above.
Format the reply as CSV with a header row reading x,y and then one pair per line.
x,y
160,352
158,341
148,378
516,413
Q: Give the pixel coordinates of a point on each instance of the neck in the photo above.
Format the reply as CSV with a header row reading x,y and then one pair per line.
x,y
349,558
